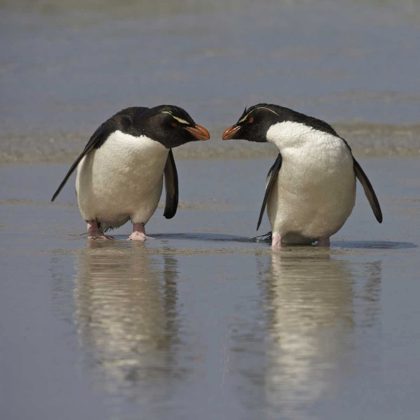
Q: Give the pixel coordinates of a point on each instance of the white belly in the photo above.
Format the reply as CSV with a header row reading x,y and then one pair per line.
x,y
314,193
121,181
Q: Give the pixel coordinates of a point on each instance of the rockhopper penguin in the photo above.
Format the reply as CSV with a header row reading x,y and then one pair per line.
x,y
120,171
311,188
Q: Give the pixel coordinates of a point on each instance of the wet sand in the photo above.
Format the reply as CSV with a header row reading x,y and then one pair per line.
x,y
202,322
366,140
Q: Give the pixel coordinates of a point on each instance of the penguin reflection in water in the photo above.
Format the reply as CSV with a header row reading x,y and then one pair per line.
x,y
120,171
311,188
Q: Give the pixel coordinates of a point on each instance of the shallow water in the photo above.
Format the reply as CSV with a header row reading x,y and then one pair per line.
x,y
201,322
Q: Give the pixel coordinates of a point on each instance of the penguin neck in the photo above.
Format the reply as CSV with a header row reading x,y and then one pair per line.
x,y
290,135
301,144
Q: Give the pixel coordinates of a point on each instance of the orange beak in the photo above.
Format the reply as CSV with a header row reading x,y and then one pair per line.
x,y
230,132
200,133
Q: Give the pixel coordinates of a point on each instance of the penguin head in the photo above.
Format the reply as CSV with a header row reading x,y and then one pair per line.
x,y
171,126
253,124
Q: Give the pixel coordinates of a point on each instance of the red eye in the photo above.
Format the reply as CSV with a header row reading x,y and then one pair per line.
x,y
251,120
174,124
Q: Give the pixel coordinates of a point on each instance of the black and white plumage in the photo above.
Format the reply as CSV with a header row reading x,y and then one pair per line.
x,y
311,188
120,171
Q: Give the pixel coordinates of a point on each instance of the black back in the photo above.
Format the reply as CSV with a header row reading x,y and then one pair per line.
x,y
120,121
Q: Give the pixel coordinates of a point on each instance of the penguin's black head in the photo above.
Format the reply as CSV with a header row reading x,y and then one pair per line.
x,y
171,126
254,123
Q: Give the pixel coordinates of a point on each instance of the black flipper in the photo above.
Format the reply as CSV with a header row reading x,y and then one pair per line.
x,y
271,178
118,121
370,193
171,187
96,138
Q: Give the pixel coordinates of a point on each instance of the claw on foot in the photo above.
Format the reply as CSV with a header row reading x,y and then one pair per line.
x,y
100,236
139,233
95,233
137,236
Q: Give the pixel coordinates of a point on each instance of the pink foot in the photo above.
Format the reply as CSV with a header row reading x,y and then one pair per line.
x,y
276,242
324,242
139,233
95,233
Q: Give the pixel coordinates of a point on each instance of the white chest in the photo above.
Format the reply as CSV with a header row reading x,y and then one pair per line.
x,y
121,178
315,191
128,156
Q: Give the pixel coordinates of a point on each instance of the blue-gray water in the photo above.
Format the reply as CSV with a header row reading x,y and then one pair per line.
x,y
68,66
201,323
